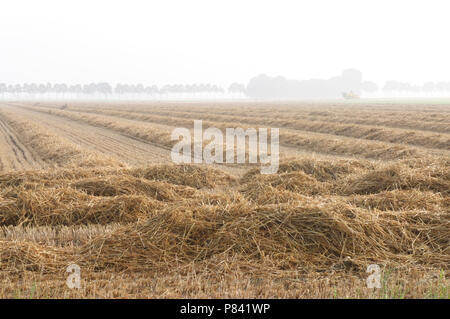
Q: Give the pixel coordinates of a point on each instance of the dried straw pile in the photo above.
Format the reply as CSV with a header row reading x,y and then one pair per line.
x,y
125,184
310,216
189,175
67,206
289,236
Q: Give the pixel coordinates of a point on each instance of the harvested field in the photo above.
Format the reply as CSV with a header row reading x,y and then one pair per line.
x,y
93,184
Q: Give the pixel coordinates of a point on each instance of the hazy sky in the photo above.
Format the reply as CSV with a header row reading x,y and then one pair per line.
x,y
171,41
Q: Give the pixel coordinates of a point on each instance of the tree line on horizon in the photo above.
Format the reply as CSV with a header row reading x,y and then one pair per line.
x,y
261,86
350,81
105,89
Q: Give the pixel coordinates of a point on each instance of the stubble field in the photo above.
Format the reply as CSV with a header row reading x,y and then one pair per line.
x,y
92,184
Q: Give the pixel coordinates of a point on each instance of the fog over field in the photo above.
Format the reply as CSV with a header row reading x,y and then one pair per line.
x,y
206,49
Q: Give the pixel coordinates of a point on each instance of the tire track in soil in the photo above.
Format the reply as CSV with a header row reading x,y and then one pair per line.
x,y
126,149
14,155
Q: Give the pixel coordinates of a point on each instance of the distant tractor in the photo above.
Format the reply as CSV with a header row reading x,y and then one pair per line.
x,y
350,95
